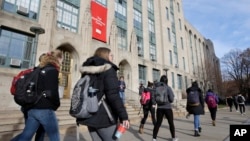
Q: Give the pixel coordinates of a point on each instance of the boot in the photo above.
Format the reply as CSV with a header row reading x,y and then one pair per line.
x,y
141,129
196,133
199,129
213,122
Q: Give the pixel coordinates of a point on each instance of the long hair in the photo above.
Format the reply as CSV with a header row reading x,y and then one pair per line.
x,y
51,58
164,79
102,52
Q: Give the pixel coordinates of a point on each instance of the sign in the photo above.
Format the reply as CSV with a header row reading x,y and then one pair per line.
x,y
99,21
239,132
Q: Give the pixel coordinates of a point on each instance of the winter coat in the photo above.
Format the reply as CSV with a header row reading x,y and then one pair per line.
x,y
48,84
108,85
196,110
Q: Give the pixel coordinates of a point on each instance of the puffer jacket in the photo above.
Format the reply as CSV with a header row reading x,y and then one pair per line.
x,y
108,85
196,110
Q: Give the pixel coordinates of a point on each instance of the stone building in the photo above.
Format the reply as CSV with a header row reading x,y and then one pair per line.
x,y
149,38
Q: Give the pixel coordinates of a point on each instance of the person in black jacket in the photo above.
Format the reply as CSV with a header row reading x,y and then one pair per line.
x,y
99,125
149,107
43,112
196,110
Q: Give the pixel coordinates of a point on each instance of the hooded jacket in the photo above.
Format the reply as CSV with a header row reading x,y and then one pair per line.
x,y
108,85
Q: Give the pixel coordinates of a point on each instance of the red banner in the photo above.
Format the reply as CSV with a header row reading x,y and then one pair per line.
x,y
99,21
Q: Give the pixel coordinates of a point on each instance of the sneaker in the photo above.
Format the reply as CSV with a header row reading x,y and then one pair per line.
x,y
154,139
237,111
175,139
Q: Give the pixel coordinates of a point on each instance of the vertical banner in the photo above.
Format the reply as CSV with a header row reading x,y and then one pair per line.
x,y
99,21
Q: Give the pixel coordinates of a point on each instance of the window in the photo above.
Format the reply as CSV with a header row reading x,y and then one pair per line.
x,y
151,26
152,50
150,6
169,35
26,8
156,75
142,74
102,2
173,85
15,49
186,83
137,20
170,57
167,13
178,7
67,16
180,24
179,81
140,45
183,61
182,45
122,36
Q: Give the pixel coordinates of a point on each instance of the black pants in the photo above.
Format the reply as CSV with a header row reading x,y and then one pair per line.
x,y
168,113
213,112
242,108
236,106
146,110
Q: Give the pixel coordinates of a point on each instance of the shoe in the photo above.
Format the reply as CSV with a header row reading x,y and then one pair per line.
x,y
175,139
199,129
237,111
196,134
213,123
141,129
154,139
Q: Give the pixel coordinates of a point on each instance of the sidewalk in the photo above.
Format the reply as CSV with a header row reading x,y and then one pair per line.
x,y
184,128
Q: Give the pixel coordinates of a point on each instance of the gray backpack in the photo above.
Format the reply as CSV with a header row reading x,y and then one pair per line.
x,y
84,101
161,93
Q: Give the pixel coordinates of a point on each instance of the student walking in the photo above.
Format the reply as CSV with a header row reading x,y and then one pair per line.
x,y
195,105
241,101
229,102
148,107
165,110
235,102
43,112
212,101
122,87
99,125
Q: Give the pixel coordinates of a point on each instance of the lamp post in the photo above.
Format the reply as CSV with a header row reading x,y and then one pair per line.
x,y
37,31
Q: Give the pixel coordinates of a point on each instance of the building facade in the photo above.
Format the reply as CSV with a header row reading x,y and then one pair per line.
x,y
149,38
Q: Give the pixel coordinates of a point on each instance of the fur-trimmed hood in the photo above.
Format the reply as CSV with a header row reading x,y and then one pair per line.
x,y
94,65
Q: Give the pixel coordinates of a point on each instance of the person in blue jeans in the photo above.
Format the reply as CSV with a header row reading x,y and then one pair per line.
x,y
122,86
196,110
43,112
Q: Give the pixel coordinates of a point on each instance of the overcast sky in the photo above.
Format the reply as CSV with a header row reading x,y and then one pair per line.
x,y
225,22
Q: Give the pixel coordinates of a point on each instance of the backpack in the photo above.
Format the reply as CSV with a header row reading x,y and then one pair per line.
x,y
24,87
161,94
240,99
145,98
193,98
84,101
211,102
15,78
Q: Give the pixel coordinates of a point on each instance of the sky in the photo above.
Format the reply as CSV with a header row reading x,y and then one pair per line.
x,y
225,22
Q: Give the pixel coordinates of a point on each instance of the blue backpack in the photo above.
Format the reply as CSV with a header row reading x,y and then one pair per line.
x,y
193,98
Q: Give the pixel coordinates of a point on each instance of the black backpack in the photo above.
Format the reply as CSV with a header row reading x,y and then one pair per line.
x,y
26,89
240,99
193,98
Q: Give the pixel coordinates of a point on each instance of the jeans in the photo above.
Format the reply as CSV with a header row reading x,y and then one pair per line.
x,y
45,117
196,122
122,95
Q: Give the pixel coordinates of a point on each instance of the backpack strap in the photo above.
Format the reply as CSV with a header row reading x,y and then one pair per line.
x,y
106,108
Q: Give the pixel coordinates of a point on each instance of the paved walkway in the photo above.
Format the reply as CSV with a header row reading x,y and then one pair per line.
x,y
184,128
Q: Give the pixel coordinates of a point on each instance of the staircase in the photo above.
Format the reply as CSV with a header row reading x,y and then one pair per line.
x,y
12,121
